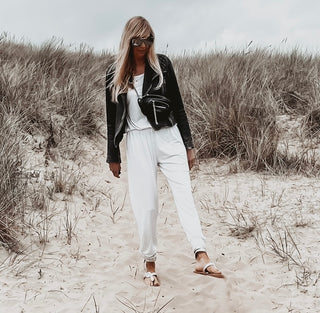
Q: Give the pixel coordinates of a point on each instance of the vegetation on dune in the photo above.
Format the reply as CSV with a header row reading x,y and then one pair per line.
x,y
11,188
48,91
232,99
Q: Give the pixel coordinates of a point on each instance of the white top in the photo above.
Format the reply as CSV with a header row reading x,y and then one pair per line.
x,y
136,120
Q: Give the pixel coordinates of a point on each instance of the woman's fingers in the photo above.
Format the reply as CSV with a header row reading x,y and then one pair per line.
x,y
191,163
191,158
116,174
115,168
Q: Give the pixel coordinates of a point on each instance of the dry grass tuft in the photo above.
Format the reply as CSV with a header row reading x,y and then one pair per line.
x,y
155,309
11,186
285,247
243,223
312,121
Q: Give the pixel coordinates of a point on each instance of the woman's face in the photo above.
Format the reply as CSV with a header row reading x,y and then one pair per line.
x,y
140,51
141,46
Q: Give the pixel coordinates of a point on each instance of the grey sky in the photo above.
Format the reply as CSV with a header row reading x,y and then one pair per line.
x,y
179,25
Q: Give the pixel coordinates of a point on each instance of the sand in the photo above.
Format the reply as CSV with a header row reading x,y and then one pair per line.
x,y
245,218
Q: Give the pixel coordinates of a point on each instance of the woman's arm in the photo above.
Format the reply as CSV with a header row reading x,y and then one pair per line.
x,y
178,107
113,153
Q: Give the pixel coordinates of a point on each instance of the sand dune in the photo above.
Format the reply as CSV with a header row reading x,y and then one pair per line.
x,y
244,216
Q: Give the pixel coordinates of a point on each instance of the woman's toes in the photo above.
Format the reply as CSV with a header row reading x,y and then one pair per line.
x,y
156,282
212,269
152,283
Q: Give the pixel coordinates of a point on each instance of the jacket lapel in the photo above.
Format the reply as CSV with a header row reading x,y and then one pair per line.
x,y
149,76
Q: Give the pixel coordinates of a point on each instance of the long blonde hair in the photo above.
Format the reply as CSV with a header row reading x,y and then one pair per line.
x,y
137,26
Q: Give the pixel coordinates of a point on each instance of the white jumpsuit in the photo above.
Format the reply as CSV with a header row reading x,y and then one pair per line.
x,y
147,150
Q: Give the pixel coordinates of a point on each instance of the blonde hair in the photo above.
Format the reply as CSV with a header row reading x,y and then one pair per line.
x,y
137,26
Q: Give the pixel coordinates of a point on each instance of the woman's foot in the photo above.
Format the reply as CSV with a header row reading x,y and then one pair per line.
x,y
150,277
202,266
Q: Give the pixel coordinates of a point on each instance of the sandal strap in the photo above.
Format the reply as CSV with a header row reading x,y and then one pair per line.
x,y
205,269
150,275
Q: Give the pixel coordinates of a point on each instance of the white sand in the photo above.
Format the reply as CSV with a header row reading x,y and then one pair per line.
x,y
102,267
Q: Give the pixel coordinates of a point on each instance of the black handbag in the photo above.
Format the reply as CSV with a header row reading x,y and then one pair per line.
x,y
156,107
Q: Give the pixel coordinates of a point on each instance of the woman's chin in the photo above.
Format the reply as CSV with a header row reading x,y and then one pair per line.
x,y
141,53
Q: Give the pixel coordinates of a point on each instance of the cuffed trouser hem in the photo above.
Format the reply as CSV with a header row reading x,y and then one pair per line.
x,y
149,259
195,251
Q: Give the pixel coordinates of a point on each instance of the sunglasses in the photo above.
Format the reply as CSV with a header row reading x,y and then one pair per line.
x,y
137,42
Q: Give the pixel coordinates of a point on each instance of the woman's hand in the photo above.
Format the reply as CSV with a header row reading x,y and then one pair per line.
x,y
191,155
115,168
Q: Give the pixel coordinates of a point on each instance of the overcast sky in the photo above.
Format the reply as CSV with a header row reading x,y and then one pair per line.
x,y
180,25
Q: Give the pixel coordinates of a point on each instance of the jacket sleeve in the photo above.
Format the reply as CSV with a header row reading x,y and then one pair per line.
x,y
178,107
113,153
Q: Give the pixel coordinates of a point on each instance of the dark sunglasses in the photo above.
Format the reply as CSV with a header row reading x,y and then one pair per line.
x,y
137,42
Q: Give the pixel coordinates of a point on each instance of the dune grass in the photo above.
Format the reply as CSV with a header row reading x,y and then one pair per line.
x,y
11,187
49,91
232,99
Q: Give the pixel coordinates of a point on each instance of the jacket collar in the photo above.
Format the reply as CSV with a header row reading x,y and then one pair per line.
x,y
149,76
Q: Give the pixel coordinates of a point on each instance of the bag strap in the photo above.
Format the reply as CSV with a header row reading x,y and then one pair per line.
x,y
135,89
139,97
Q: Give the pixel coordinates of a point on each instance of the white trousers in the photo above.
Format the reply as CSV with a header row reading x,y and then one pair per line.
x,y
146,150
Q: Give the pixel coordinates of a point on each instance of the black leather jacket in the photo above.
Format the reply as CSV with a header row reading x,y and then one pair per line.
x,y
117,112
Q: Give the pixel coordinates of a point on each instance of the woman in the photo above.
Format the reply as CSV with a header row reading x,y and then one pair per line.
x,y
152,140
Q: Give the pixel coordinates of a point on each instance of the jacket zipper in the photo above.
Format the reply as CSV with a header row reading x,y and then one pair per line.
x,y
154,113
